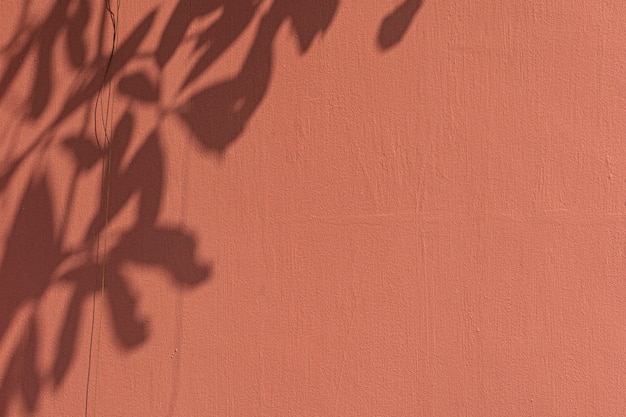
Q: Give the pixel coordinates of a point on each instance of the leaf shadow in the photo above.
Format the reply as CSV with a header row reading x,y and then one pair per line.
x,y
395,25
36,257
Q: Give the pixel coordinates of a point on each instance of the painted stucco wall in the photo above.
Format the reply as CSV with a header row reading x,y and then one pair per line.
x,y
331,208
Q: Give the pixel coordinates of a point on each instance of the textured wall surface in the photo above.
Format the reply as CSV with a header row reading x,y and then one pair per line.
x,y
322,208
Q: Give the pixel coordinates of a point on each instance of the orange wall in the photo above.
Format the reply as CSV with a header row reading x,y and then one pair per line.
x,y
332,208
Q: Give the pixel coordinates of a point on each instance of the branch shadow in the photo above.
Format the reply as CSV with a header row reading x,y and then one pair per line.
x,y
36,257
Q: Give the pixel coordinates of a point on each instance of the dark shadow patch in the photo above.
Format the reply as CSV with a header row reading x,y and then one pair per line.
x,y
395,25
35,259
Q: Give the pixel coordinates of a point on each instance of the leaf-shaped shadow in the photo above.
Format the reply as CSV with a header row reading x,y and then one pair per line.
x,y
43,38
86,281
144,176
171,249
22,374
139,87
308,18
13,67
67,339
6,177
216,39
77,24
125,52
122,134
42,88
85,152
32,253
184,13
31,383
395,25
122,185
130,329
218,114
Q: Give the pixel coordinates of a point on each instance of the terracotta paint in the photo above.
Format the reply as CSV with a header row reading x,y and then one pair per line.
x,y
333,208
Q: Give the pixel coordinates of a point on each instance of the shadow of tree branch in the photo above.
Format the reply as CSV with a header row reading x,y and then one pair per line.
x,y
36,256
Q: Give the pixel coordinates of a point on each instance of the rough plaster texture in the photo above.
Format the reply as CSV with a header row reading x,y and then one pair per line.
x,y
317,209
